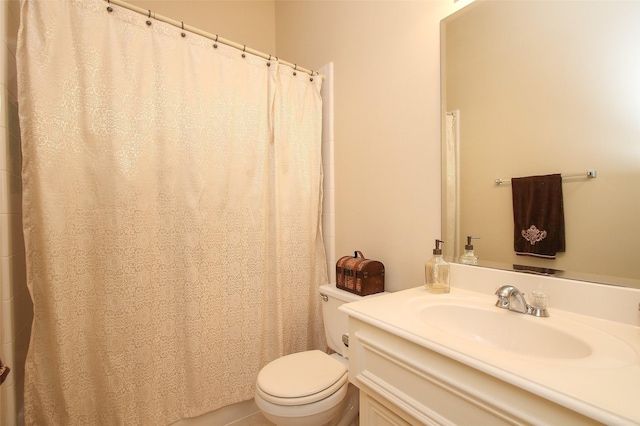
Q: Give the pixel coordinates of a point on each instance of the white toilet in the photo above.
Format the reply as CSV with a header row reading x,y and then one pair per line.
x,y
312,388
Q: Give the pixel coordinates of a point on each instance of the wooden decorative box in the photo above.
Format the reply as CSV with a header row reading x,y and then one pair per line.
x,y
359,275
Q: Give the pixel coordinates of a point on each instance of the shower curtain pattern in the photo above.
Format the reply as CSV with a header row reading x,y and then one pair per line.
x,y
172,202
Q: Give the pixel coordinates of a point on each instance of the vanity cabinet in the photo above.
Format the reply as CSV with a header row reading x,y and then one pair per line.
x,y
373,412
404,383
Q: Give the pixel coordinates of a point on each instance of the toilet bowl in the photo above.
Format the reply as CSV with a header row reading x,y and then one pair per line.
x,y
312,388
302,388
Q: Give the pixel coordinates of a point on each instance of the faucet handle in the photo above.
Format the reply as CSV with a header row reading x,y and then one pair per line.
x,y
539,304
539,300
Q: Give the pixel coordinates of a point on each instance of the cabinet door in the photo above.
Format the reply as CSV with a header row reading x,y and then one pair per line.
x,y
373,413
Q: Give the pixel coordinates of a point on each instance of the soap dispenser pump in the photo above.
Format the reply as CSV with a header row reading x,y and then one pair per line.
x,y
436,271
469,257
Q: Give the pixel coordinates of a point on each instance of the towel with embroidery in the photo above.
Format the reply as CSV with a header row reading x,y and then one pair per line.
x,y
4,371
538,215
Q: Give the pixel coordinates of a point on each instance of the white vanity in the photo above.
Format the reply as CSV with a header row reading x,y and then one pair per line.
x,y
421,358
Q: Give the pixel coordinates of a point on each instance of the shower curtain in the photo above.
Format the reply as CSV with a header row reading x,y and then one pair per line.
x,y
451,187
172,216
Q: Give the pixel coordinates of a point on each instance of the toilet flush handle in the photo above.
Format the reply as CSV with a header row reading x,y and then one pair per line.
x,y
324,297
345,340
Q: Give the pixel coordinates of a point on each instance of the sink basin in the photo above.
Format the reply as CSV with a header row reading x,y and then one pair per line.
x,y
513,333
557,339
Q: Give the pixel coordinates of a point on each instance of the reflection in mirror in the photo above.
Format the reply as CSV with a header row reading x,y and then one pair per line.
x,y
533,88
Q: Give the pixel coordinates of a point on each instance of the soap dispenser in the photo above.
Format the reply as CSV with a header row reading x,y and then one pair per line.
x,y
436,271
469,257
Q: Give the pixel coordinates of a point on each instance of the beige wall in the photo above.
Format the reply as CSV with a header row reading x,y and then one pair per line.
x,y
387,121
250,22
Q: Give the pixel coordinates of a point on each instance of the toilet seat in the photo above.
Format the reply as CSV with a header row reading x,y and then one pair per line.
x,y
301,378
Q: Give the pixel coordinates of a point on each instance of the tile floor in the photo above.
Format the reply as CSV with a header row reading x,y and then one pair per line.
x,y
253,420
244,413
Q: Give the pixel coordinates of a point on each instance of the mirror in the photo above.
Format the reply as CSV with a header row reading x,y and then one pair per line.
x,y
542,87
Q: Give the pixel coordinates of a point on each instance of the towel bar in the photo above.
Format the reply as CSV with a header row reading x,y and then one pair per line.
x,y
590,174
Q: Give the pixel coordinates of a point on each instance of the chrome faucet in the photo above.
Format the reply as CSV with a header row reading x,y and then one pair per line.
x,y
509,297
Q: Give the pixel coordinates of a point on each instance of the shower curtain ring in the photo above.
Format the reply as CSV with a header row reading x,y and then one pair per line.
x,y
149,20
243,49
183,34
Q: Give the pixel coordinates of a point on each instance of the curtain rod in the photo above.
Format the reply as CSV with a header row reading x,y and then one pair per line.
x,y
210,36
591,174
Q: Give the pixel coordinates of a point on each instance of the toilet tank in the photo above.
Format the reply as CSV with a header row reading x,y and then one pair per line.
x,y
336,323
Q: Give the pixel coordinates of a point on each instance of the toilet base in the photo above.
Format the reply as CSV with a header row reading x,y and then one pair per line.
x,y
349,415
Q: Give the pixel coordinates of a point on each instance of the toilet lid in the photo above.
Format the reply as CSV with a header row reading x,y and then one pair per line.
x,y
301,375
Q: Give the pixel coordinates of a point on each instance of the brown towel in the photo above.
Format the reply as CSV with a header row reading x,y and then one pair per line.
x,y
4,371
538,215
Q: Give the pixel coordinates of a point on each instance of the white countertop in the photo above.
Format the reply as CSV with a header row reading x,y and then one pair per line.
x,y
607,391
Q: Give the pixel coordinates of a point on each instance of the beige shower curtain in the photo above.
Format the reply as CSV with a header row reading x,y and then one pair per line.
x,y
172,201
451,187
